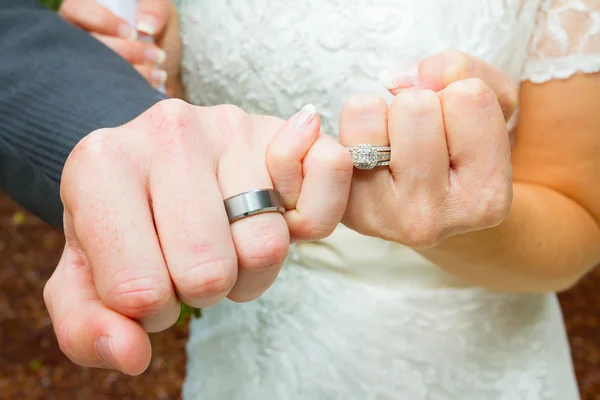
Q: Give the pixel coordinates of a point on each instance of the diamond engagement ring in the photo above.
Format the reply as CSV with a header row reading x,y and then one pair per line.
x,y
253,202
367,156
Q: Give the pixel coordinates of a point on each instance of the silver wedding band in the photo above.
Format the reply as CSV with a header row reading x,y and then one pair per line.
x,y
368,156
253,202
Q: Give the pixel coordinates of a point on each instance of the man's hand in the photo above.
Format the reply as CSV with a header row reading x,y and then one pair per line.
x,y
145,223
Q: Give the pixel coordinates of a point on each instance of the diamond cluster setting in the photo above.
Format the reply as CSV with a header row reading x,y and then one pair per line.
x,y
366,156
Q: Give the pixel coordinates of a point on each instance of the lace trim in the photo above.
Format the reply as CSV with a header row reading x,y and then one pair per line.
x,y
565,41
543,70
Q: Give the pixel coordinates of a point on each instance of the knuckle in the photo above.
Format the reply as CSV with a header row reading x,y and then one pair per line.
x,y
226,121
266,248
65,337
87,159
341,164
170,121
170,117
358,219
476,87
47,294
228,111
421,229
419,226
401,101
336,160
207,279
169,107
266,253
279,155
139,296
495,206
457,65
471,91
315,229
420,236
416,102
92,145
228,115
92,150
486,206
366,104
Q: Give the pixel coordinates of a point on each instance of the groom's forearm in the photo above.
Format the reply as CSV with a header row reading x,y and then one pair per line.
x,y
57,84
546,243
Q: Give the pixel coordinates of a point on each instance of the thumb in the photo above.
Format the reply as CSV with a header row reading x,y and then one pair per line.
x,y
440,70
152,17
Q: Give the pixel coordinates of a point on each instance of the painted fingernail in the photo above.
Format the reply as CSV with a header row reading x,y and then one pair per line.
x,y
400,77
147,24
306,116
156,56
158,77
103,345
127,32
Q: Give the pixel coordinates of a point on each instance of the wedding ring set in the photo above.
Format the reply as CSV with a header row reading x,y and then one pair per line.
x,y
253,202
367,156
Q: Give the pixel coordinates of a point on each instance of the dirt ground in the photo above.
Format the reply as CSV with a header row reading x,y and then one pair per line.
x,y
32,366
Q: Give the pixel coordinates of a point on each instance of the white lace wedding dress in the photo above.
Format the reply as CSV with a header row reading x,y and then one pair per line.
x,y
353,317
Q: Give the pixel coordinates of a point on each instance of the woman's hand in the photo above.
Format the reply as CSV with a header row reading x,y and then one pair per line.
x,y
450,170
158,62
159,20
451,173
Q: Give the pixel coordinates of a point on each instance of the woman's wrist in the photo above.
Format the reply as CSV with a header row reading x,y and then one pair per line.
x,y
546,243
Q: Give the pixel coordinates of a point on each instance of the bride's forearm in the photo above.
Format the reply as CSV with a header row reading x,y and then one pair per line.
x,y
546,243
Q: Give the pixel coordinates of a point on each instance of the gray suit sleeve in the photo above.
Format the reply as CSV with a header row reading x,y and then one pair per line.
x,y
57,84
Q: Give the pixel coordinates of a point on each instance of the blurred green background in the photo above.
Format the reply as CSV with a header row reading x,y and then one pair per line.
x,y
52,4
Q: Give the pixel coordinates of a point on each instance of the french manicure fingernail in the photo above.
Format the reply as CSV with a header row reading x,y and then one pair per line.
x,y
147,24
156,56
158,77
400,77
103,345
127,32
306,116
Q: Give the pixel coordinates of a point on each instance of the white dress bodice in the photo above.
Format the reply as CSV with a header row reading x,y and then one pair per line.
x,y
353,317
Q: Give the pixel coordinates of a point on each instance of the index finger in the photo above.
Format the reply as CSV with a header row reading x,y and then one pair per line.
x,y
440,70
114,225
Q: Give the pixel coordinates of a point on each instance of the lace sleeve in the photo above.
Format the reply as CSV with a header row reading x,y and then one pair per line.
x,y
565,40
